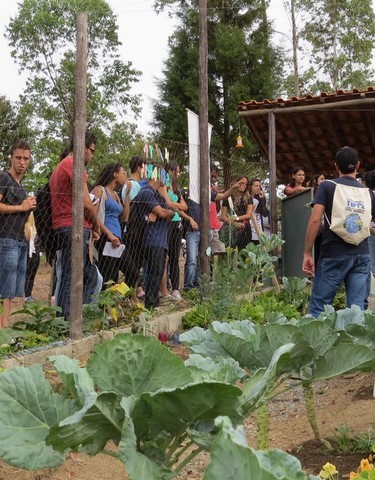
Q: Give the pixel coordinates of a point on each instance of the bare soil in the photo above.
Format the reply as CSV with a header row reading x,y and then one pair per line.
x,y
345,401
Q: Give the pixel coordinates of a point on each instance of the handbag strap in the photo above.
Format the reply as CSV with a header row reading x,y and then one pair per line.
x,y
230,202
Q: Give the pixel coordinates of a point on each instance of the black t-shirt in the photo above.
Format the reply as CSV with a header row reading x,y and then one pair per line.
x,y
240,207
12,225
333,245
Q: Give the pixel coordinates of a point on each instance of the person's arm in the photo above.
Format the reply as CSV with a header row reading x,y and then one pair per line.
x,y
313,226
182,205
90,210
191,220
164,193
28,204
289,191
223,195
247,216
163,213
126,202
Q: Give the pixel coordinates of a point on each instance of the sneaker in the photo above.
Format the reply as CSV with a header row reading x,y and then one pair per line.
x,y
177,295
30,299
166,299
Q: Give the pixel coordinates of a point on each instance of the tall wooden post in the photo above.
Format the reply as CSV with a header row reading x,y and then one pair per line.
x,y
272,164
76,294
203,136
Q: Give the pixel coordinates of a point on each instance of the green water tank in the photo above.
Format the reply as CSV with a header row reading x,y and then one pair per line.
x,y
295,214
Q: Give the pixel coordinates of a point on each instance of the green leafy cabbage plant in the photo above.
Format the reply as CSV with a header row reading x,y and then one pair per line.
x,y
159,412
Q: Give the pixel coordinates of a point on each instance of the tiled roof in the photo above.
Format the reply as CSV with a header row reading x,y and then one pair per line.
x,y
310,130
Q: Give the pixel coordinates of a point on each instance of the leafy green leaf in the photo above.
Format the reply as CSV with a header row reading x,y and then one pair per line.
x,y
76,380
263,381
320,336
349,316
344,358
232,459
134,364
28,408
173,411
138,465
204,369
90,428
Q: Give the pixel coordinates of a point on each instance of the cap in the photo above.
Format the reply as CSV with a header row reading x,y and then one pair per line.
x,y
346,159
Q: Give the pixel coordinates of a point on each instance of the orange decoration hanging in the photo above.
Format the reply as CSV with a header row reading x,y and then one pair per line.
x,y
239,143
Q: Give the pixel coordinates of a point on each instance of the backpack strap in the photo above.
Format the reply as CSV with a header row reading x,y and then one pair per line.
x,y
325,214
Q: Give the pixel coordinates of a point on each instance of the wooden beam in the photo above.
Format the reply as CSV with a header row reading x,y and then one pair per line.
x,y
361,103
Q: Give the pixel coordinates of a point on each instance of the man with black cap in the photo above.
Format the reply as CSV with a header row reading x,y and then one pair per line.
x,y
339,260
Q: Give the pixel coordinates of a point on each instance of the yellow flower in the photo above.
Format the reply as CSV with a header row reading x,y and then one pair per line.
x,y
365,466
328,472
121,288
114,314
329,468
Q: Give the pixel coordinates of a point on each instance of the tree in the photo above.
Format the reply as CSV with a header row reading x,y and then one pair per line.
x,y
42,37
338,36
241,66
13,126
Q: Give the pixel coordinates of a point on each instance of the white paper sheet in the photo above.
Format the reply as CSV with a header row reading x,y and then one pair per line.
x,y
109,251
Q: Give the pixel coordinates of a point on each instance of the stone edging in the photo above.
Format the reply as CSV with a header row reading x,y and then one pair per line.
x,y
81,349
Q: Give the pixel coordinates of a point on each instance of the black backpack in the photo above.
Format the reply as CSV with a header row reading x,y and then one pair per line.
x,y
43,222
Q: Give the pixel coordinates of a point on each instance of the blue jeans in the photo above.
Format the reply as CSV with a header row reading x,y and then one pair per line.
x,y
13,258
192,256
353,270
371,247
64,270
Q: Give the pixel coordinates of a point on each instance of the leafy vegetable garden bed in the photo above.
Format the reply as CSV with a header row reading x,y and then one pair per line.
x,y
285,380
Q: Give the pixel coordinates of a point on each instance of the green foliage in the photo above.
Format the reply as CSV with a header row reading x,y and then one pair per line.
x,y
231,458
316,349
42,36
113,307
266,307
133,391
41,318
344,441
239,48
234,275
13,126
154,407
295,292
339,302
339,37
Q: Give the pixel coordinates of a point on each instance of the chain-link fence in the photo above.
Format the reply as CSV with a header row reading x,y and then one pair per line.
x,y
150,240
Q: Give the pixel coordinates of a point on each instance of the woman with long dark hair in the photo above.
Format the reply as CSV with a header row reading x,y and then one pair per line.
x,y
236,213
110,180
297,183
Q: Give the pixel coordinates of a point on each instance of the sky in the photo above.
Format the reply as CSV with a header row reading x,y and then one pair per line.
x,y
143,34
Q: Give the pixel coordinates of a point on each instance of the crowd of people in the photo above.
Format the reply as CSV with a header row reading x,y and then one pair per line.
x,y
135,226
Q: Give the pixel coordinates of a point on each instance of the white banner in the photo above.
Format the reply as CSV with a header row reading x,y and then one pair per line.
x,y
194,154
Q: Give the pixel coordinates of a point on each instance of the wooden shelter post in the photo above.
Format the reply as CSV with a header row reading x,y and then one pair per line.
x,y
273,174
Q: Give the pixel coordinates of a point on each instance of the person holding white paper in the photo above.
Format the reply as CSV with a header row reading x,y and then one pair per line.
x,y
112,211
